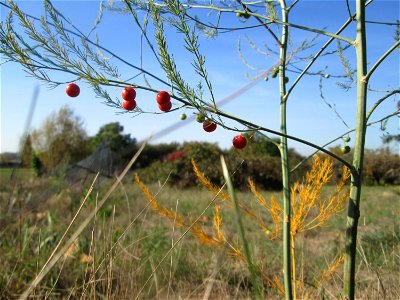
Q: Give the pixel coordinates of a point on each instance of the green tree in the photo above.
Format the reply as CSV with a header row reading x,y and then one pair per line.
x,y
61,139
36,164
111,134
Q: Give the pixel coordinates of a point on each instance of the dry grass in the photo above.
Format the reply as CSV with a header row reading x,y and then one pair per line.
x,y
123,245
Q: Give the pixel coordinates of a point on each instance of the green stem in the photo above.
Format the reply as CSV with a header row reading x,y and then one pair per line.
x,y
353,211
257,289
287,254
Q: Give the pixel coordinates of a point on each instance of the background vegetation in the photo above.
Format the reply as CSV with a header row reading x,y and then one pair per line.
x,y
122,246
53,147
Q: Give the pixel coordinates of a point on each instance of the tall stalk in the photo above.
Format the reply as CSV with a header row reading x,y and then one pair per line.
x,y
287,261
353,211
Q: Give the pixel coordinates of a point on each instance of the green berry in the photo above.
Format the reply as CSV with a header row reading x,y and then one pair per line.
x,y
200,118
245,15
345,149
182,116
286,79
346,139
275,72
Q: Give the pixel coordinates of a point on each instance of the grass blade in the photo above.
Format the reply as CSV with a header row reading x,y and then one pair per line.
x,y
56,256
257,287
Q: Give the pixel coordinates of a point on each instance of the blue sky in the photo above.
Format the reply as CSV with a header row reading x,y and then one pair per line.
x,y
308,116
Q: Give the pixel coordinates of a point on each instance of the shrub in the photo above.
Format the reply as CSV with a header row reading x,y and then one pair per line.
x,y
381,166
264,171
176,165
36,164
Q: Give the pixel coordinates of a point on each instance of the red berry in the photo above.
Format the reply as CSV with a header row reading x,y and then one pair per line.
x,y
72,90
165,106
163,97
209,126
239,141
128,94
129,105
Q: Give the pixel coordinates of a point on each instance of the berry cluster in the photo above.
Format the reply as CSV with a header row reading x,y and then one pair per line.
x,y
345,148
164,104
164,101
129,95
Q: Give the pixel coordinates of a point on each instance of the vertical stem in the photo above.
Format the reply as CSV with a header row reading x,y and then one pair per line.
x,y
19,221
353,211
257,286
293,266
287,267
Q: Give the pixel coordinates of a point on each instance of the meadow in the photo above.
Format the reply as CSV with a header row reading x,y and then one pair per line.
x,y
130,251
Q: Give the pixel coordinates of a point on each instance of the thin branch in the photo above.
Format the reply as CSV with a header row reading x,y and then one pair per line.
x,y
292,5
351,16
332,107
261,22
377,103
383,23
98,46
320,52
227,29
256,127
396,113
134,15
216,8
381,59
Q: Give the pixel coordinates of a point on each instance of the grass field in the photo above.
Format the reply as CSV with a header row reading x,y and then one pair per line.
x,y
118,255
9,174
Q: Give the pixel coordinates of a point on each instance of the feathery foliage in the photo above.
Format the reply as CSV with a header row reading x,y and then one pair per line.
x,y
310,211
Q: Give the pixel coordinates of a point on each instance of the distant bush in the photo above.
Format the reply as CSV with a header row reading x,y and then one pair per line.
x,y
264,171
176,165
260,146
259,162
381,166
153,153
36,164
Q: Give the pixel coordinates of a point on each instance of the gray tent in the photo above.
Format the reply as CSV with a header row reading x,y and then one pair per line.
x,y
100,161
